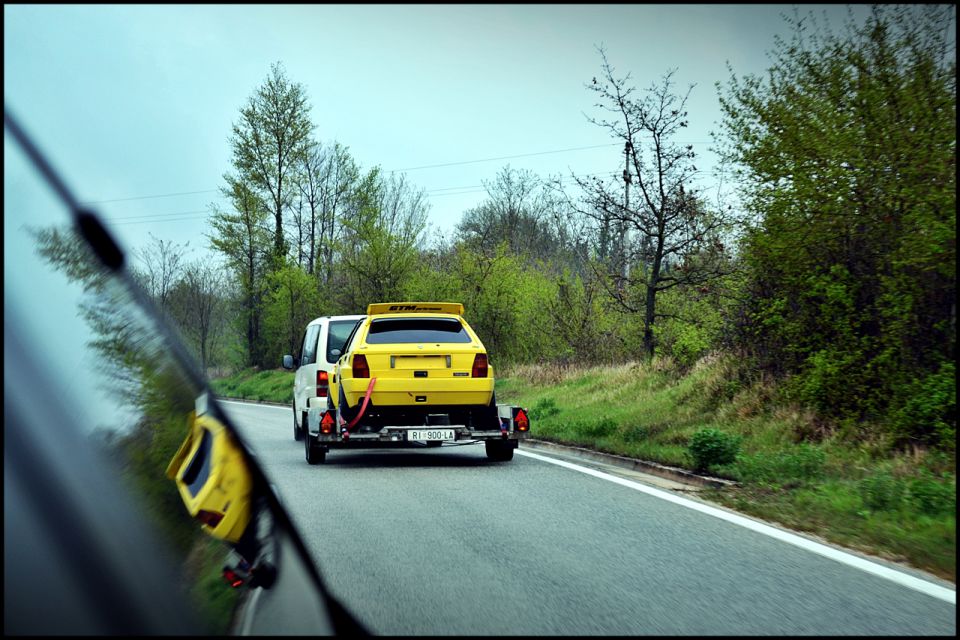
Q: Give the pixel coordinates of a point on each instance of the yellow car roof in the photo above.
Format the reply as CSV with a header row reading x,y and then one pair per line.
x,y
387,308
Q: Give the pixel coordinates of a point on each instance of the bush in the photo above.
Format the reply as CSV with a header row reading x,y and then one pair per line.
x,y
929,413
881,492
932,497
712,446
544,408
602,427
636,433
801,464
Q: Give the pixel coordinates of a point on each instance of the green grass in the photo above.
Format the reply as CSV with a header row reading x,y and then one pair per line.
x,y
275,385
790,469
216,601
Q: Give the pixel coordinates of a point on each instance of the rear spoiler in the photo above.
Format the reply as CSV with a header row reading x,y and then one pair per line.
x,y
383,308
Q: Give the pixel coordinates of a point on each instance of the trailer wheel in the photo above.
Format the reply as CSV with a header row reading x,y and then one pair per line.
x,y
499,450
314,454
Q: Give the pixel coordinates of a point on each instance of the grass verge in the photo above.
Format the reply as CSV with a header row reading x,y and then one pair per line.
x,y
271,385
791,469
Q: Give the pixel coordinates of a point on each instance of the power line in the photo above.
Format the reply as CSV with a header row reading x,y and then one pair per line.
x,y
163,195
522,155
156,215
430,166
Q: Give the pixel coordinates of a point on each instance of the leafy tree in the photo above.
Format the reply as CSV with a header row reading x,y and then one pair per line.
x,y
293,301
847,154
270,141
667,213
382,229
243,238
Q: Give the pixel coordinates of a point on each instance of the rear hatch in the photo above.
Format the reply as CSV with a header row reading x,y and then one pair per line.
x,y
420,347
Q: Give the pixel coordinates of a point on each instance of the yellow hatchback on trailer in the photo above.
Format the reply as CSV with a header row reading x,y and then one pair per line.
x,y
414,374
421,354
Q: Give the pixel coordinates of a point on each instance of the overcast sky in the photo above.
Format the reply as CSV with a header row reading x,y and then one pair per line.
x,y
137,101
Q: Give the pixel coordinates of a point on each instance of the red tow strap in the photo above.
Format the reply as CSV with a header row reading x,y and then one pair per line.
x,y
363,407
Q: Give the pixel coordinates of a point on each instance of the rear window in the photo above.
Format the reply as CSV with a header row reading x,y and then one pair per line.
x,y
419,330
337,335
199,469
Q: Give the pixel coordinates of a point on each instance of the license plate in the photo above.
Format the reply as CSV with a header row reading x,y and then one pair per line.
x,y
423,435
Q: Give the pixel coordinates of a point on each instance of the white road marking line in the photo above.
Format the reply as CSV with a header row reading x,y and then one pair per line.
x,y
903,579
249,612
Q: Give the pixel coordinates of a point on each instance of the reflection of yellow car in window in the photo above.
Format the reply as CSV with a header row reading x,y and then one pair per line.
x,y
414,374
213,479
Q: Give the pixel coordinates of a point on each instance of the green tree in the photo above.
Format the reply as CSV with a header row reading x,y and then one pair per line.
x,y
293,301
270,142
382,228
243,238
847,154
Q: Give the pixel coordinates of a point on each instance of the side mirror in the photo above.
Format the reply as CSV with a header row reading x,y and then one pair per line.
x,y
288,362
335,353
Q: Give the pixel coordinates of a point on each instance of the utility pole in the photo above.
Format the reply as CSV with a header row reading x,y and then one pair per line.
x,y
625,236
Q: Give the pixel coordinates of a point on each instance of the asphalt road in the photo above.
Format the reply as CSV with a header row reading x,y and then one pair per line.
x,y
442,541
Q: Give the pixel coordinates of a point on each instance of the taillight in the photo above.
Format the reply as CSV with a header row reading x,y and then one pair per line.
x,y
521,421
210,518
323,381
360,368
327,423
479,366
231,577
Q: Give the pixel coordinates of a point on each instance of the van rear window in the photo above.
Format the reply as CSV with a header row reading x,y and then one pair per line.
x,y
337,336
417,330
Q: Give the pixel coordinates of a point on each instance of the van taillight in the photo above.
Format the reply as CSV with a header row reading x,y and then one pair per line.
x,y
480,366
360,368
323,381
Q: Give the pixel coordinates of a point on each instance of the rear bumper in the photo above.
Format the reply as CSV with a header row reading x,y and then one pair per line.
x,y
397,437
389,392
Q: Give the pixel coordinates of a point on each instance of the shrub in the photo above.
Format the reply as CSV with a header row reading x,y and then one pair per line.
x,y
801,464
713,447
932,497
635,433
881,492
929,413
544,408
602,427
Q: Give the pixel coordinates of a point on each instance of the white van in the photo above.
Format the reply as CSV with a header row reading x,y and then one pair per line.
x,y
321,347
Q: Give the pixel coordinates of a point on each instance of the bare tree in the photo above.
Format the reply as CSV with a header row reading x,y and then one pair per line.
x,y
162,262
199,307
517,211
671,223
340,178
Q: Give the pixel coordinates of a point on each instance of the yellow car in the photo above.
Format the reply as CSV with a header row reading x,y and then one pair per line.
x,y
212,478
414,374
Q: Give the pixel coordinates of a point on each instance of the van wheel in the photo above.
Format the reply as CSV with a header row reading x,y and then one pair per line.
x,y
297,430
